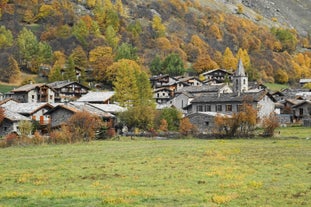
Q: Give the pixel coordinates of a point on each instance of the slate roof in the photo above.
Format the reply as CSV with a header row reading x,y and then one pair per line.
x,y
111,108
25,108
229,97
203,88
61,84
93,110
302,103
27,87
92,96
211,71
13,116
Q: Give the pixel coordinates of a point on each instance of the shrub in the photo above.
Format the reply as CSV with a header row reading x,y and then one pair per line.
x,y
269,124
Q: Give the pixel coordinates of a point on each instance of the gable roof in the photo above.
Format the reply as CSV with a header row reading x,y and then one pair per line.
x,y
13,116
203,88
229,97
61,84
25,108
111,108
302,103
214,70
27,87
99,96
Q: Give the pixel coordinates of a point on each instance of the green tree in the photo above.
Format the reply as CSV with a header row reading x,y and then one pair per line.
x,y
6,37
126,51
287,37
56,74
172,117
28,45
81,32
156,66
69,71
111,37
173,65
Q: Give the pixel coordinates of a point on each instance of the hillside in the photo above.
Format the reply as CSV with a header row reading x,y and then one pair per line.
x,y
46,37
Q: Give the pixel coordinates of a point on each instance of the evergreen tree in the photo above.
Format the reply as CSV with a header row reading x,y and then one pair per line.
x,y
69,72
126,51
156,66
173,65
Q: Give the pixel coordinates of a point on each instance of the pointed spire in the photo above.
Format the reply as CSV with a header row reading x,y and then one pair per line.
x,y
240,70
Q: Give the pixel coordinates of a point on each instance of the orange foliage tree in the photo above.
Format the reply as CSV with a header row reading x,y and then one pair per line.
x,y
269,124
186,127
83,126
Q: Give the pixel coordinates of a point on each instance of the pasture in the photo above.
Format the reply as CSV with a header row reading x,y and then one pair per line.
x,y
145,172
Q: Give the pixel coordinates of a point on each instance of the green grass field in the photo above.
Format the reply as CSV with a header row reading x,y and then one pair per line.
x,y
140,172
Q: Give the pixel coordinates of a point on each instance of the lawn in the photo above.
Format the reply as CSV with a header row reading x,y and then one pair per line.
x,y
140,172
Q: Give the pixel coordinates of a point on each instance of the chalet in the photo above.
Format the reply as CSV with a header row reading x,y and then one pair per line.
x,y
304,81
62,113
217,75
190,81
33,93
10,122
162,95
98,97
68,90
33,111
302,110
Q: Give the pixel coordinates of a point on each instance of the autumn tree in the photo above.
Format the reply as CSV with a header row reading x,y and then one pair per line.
x,y
281,76
69,70
112,37
6,37
172,116
81,32
59,63
204,63
228,59
83,126
100,59
80,61
163,125
269,124
157,26
186,127
241,123
133,90
13,70
287,37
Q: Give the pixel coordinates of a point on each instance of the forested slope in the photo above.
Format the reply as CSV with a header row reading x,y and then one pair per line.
x,y
53,37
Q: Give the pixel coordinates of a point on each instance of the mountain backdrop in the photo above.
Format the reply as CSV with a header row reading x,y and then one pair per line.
x,y
51,38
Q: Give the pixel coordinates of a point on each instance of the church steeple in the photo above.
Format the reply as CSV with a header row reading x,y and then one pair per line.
x,y
240,79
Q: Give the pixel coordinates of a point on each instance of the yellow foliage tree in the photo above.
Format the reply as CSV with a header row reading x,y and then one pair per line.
x,y
204,63
214,29
228,59
243,55
158,26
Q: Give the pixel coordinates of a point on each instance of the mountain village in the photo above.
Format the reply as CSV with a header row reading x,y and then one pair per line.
x,y
222,93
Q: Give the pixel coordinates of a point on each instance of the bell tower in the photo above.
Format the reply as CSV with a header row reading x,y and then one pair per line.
x,y
240,79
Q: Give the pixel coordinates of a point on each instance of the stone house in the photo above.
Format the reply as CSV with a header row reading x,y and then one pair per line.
x,y
302,110
162,95
217,75
33,93
204,121
62,113
232,103
68,90
11,122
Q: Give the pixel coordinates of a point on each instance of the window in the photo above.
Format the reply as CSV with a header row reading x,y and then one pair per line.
x,y
199,108
228,107
208,108
219,108
301,111
207,123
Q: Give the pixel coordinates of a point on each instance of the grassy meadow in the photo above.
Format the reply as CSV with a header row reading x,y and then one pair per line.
x,y
144,172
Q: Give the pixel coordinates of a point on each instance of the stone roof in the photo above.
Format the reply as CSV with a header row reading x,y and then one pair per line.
x,y
111,108
92,96
27,87
25,108
211,71
302,103
13,116
203,88
229,97
87,107
61,84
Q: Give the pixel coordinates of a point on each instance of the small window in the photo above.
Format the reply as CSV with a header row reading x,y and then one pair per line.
x,y
208,108
239,108
199,108
228,107
301,111
219,108
207,123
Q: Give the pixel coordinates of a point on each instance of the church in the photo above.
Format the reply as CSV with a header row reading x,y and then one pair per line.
x,y
204,108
